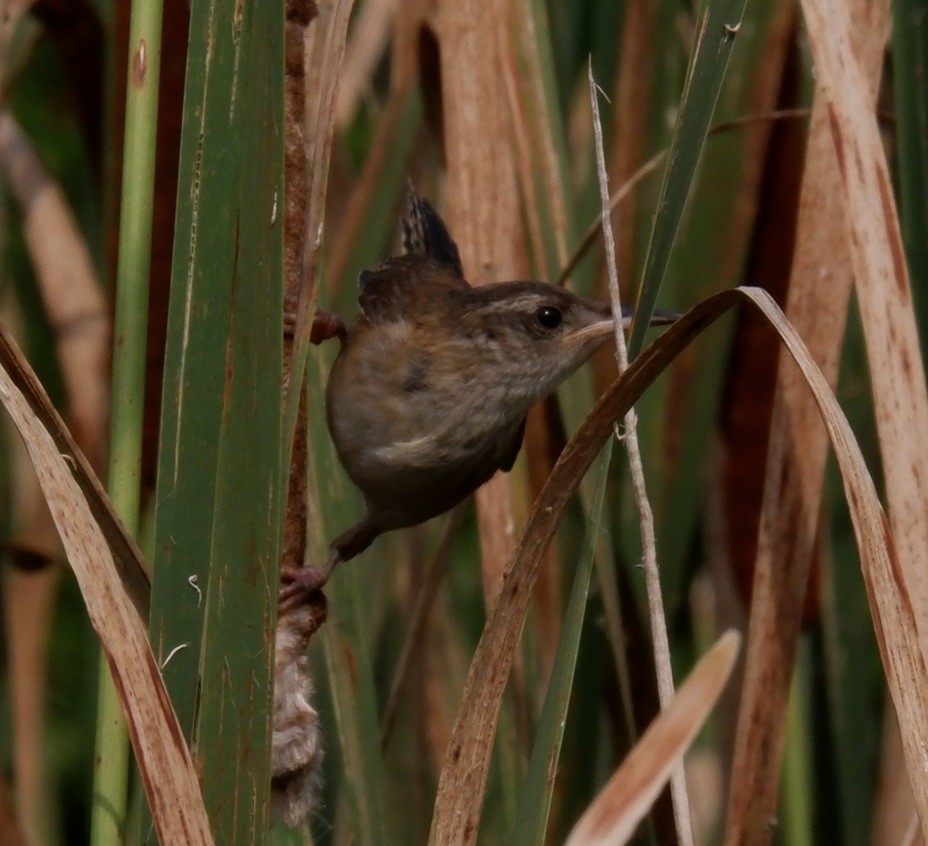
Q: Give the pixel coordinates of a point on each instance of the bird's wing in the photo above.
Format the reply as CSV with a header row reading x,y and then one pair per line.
x,y
513,451
395,289
425,234
399,288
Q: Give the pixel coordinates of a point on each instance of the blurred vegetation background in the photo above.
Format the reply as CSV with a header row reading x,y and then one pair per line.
x,y
405,618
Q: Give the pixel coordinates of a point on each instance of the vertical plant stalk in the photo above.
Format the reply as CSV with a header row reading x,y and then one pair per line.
x,y
665,688
324,52
884,292
351,681
296,740
299,16
819,290
129,338
484,215
634,96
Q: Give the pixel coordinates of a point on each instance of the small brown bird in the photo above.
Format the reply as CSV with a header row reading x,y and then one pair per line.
x,y
428,396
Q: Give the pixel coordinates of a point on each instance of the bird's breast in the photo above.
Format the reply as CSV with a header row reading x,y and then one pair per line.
x,y
404,413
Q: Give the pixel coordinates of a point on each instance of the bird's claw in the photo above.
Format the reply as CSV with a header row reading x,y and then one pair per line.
x,y
297,586
325,324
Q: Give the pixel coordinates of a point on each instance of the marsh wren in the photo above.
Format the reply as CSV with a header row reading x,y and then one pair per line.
x,y
428,396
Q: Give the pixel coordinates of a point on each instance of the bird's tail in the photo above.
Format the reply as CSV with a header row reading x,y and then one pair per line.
x,y
425,234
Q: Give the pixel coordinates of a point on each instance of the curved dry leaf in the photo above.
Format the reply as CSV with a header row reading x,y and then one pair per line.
x,y
164,760
888,318
819,292
463,778
629,794
883,291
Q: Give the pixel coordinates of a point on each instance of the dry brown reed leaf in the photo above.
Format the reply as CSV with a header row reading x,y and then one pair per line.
x,y
324,52
522,144
463,778
296,742
316,34
164,760
72,296
633,95
299,17
885,297
79,319
369,36
485,215
28,608
545,214
628,795
29,587
895,822
540,174
819,289
365,187
133,570
11,832
896,368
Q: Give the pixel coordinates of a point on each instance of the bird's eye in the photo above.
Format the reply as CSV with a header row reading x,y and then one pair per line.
x,y
549,317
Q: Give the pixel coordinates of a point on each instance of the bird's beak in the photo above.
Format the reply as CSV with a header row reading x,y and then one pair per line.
x,y
599,330
593,334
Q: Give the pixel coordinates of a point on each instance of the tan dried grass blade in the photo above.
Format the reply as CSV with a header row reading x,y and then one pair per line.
x,y
891,607
72,296
485,215
130,565
324,52
883,290
819,290
615,813
369,37
163,757
10,830
79,319
884,294
463,778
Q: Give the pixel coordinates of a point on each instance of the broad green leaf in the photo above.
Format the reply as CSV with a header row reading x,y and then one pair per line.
x,y
218,505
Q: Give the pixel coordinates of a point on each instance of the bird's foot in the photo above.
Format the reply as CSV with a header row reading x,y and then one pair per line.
x,y
301,585
298,585
325,324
